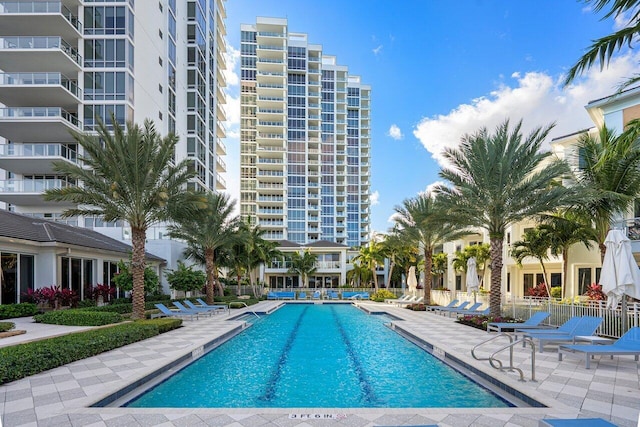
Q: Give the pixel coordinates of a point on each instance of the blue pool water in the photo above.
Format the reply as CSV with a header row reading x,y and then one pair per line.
x,y
318,356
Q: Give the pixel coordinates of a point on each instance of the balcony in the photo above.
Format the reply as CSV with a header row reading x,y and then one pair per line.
x,y
36,54
39,90
51,18
38,124
29,192
220,165
28,159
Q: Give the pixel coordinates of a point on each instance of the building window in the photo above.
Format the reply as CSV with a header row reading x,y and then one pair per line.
x,y
527,282
458,283
584,280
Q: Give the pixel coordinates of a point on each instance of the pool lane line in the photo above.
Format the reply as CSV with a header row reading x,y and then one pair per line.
x,y
270,390
369,395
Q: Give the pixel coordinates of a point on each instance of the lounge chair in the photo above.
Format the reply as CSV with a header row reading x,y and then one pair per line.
x,y
414,300
212,308
395,300
586,326
533,322
333,295
174,313
302,295
317,295
272,295
565,328
218,306
465,311
577,422
450,305
484,312
193,310
461,306
627,344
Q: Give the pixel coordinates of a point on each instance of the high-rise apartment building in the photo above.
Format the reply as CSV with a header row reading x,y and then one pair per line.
x,y
305,139
65,63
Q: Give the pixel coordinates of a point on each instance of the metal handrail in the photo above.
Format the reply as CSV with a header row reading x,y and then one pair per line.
x,y
497,364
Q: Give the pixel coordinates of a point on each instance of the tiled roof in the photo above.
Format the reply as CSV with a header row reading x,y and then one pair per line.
x,y
325,244
24,227
287,244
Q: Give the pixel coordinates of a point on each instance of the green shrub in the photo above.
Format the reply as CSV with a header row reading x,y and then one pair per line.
x,y
11,311
6,326
26,359
75,317
112,308
382,295
556,292
121,301
86,303
164,324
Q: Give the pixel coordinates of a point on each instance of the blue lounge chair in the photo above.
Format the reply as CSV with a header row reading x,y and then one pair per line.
x,y
302,295
465,311
627,344
578,422
272,295
586,326
565,328
450,305
317,295
333,295
177,313
484,312
534,322
211,308
194,310
461,306
218,306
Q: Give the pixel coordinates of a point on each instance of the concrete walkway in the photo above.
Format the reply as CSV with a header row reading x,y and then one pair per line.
x,y
62,396
37,331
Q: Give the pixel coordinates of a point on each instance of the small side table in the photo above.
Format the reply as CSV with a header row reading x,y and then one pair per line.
x,y
593,339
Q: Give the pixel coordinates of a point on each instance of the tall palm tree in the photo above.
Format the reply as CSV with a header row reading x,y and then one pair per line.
x,y
304,265
564,229
128,175
393,246
499,179
605,47
424,220
608,175
535,243
371,256
206,234
258,251
439,266
358,274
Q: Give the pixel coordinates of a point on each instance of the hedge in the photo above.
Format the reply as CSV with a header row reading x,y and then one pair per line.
x,y
26,359
6,326
78,317
11,311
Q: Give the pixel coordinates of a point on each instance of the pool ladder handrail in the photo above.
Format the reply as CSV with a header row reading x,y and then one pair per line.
x,y
497,363
248,311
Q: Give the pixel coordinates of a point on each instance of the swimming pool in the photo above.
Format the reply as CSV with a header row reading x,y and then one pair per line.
x,y
318,356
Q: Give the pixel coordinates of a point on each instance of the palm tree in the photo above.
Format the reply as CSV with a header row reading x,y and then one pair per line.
x,y
395,248
371,256
304,265
603,48
565,229
425,222
439,266
128,175
358,274
499,179
207,234
535,243
258,251
608,175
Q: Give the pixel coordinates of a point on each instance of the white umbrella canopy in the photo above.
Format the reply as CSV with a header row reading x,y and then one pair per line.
x,y
473,284
412,281
620,274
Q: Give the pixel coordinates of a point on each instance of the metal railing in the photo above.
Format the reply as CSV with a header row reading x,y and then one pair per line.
x,y
31,186
38,150
497,363
40,42
40,79
35,112
39,7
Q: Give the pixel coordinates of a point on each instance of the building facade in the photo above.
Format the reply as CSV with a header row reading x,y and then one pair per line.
x,y
64,64
305,139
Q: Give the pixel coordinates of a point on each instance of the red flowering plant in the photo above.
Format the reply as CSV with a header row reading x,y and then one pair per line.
x,y
480,322
417,307
539,291
594,292
104,291
34,297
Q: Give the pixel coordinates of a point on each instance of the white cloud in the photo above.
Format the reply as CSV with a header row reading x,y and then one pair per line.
x,y
395,132
374,198
232,108
377,50
231,57
535,97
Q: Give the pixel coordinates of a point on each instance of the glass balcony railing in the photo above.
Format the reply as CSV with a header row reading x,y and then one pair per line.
x,y
35,112
40,43
40,79
38,150
12,7
31,185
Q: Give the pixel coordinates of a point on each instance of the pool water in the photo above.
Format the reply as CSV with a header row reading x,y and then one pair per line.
x,y
318,356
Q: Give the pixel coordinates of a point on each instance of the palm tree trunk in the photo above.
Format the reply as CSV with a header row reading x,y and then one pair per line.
x,y
209,267
216,281
428,263
238,290
375,277
138,238
391,265
565,266
495,296
544,279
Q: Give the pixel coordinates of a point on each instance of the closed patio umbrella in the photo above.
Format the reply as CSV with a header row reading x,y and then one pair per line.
x,y
412,281
620,274
473,283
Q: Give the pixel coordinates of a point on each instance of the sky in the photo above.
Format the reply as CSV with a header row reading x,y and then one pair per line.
x,y
439,70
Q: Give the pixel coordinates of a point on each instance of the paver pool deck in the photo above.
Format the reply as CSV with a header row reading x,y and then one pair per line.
x,y
62,396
